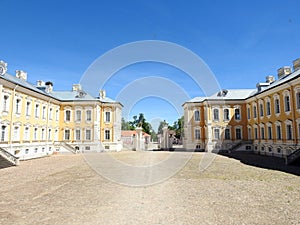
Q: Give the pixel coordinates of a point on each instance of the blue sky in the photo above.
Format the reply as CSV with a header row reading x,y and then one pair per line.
x,y
241,41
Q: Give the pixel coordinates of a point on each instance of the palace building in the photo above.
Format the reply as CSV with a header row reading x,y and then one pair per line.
x,y
265,120
36,120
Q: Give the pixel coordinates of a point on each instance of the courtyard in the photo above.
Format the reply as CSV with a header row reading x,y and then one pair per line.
x,y
64,189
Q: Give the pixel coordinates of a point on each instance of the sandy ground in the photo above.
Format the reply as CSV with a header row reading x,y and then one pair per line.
x,y
64,189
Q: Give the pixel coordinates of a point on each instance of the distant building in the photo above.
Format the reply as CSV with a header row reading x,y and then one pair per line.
x,y
36,120
265,120
128,137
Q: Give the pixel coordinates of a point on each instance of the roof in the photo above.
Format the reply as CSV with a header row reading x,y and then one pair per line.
x,y
130,133
241,94
22,83
230,94
59,95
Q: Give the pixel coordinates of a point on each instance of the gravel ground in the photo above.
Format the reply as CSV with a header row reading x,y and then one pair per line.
x,y
64,189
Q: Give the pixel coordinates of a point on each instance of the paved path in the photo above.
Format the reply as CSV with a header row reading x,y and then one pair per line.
x,y
65,190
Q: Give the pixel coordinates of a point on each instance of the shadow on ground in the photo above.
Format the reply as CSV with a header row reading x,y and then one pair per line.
x,y
267,162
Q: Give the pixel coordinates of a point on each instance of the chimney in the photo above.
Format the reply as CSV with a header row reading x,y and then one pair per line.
x,y
102,94
76,87
260,86
3,68
270,79
40,83
296,64
22,75
283,71
49,87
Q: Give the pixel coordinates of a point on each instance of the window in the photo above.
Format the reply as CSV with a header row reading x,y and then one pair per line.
x,y
254,111
255,133
49,134
56,115
68,116
16,136
5,103
277,106
217,133
227,133
268,108
237,114
289,134
36,111
18,106
262,133
67,134
248,113
226,114
56,135
238,133
249,133
3,133
107,116
26,151
261,109
35,134
50,113
88,115
298,100
197,115
88,134
26,134
287,106
216,114
44,112
77,135
107,135
278,130
270,133
78,116
197,134
28,108
43,134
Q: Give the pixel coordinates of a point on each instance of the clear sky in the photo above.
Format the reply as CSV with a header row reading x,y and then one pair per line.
x,y
241,41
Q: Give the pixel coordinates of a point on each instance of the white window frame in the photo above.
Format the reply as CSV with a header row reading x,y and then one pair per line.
x,y
68,118
216,114
5,104
78,115
18,106
237,107
197,115
197,134
88,118
88,134
241,130
107,135
228,114
67,134
3,136
78,134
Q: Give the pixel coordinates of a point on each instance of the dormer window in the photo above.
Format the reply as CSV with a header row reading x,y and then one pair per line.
x,y
222,93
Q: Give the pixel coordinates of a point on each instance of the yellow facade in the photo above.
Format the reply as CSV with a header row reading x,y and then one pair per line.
x,y
37,121
269,121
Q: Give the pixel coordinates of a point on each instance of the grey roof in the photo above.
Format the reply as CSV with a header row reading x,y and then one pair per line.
x,y
231,94
281,80
22,83
239,94
60,95
71,96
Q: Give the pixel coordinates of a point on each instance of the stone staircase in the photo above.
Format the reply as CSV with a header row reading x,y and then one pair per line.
x,y
4,163
293,157
7,159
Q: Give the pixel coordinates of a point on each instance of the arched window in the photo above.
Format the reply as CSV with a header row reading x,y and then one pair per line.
x,y
216,114
226,114
237,114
